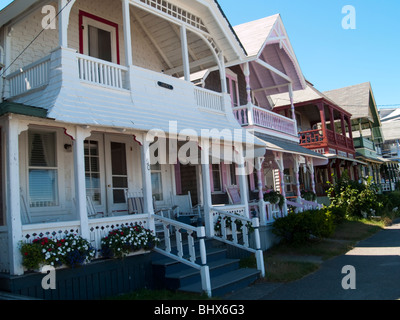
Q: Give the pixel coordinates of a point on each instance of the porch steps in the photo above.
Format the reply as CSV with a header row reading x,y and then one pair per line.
x,y
225,274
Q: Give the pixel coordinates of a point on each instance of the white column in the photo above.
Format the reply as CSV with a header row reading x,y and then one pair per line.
x,y
127,33
296,165
246,72
63,21
206,184
185,53
290,87
222,73
146,180
278,157
13,206
80,184
244,194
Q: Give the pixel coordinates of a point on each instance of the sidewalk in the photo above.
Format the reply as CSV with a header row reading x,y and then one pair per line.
x,y
376,261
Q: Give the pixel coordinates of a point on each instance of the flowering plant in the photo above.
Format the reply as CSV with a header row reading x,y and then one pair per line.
x,y
228,224
72,251
120,242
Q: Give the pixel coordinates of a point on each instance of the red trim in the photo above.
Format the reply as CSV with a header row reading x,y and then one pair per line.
x,y
99,19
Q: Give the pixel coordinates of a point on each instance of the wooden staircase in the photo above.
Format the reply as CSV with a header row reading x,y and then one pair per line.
x,y
225,273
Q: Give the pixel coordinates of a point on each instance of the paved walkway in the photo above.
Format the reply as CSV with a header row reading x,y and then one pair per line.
x,y
376,261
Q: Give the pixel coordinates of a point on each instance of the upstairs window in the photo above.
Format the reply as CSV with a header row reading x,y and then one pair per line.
x,y
232,87
98,37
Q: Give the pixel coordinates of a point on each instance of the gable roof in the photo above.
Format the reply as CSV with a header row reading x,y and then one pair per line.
x,y
355,99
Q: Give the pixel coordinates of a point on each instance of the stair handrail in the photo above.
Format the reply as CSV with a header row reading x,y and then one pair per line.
x,y
192,232
245,225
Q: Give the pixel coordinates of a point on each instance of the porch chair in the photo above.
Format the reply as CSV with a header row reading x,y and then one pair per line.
x,y
91,209
185,211
234,198
135,202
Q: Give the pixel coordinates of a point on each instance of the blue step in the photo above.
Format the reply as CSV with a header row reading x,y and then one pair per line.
x,y
226,283
225,274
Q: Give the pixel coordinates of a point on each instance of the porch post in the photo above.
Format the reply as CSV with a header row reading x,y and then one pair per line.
x,y
290,87
296,165
185,53
80,184
64,7
323,121
246,72
243,186
146,179
278,157
127,33
206,184
310,165
261,204
344,129
13,206
332,121
222,73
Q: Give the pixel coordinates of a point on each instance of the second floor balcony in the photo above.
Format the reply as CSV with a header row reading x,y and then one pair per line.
x,y
254,117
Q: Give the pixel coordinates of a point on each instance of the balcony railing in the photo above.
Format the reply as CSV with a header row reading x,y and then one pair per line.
x,y
316,137
101,72
252,115
362,142
311,137
33,76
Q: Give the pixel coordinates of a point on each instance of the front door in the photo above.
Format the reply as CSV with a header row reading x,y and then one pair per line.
x,y
117,174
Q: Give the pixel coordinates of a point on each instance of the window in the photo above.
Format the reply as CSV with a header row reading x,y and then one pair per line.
x,y
92,171
232,87
156,182
98,37
216,176
232,172
43,171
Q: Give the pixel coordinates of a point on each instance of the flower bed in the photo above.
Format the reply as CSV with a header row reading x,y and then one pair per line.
x,y
71,251
127,239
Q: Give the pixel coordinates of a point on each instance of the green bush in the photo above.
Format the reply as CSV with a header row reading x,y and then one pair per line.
x,y
298,228
357,200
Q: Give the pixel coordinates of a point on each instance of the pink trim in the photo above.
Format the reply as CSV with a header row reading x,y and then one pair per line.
x,y
99,19
252,182
211,178
68,135
224,176
136,140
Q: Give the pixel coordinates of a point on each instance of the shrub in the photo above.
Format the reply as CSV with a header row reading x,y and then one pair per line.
x,y
301,227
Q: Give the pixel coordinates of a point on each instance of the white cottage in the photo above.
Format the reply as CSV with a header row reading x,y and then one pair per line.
x,y
89,88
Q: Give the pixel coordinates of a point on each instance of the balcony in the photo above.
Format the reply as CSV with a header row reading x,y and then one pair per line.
x,y
100,74
253,116
313,139
362,142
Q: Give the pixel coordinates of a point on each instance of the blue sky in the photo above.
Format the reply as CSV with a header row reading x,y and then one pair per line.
x,y
330,56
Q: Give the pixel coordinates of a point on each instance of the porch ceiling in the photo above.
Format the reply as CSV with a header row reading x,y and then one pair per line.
x,y
165,38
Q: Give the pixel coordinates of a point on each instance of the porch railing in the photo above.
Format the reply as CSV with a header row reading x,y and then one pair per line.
x,y
240,235
311,136
173,229
208,99
101,72
33,76
253,115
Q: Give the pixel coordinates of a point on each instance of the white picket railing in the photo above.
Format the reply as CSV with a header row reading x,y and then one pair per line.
x,y
101,72
253,115
33,76
239,225
208,99
173,229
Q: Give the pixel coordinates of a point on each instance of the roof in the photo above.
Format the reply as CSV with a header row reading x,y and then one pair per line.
x,y
310,93
254,34
282,145
19,108
355,99
273,63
